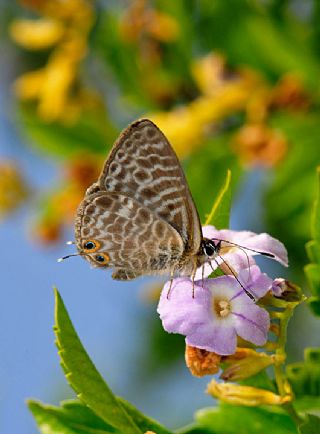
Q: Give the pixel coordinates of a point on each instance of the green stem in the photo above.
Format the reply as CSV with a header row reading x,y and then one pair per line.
x,y
292,412
280,377
280,351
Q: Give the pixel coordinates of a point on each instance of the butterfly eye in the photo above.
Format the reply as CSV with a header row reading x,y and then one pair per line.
x,y
103,258
210,249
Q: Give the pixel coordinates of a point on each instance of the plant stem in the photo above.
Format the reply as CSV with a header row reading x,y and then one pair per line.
x,y
280,378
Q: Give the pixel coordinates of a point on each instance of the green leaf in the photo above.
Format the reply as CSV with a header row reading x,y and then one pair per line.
x,y
312,272
293,183
313,250
229,419
83,375
93,132
314,304
220,211
304,377
75,417
307,404
143,422
72,418
206,172
315,218
311,426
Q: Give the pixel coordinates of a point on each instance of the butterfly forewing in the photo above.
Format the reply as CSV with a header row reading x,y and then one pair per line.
x,y
143,166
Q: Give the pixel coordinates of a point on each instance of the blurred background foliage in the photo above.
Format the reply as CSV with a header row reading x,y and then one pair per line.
x,y
234,85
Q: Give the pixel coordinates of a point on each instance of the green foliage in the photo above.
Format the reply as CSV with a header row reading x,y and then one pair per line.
x,y
84,377
250,35
91,133
311,426
71,418
206,171
228,419
99,410
312,270
304,376
290,197
220,211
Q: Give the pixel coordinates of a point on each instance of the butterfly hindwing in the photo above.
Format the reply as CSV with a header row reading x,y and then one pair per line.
x,y
132,237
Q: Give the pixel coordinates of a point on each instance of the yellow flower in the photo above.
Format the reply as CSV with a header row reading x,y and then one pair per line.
x,y
29,85
246,395
209,73
245,363
186,127
13,190
64,26
36,34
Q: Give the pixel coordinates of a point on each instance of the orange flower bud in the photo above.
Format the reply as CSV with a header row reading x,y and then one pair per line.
x,y
201,362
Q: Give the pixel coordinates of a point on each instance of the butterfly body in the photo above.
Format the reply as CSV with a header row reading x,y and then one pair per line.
x,y
139,218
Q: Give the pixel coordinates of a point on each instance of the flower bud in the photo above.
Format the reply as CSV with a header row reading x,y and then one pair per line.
x,y
245,395
202,362
245,363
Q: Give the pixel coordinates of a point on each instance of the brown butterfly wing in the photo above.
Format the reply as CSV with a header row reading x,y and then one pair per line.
x,y
143,166
132,237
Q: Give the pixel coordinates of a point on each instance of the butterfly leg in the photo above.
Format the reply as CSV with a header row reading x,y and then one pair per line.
x,y
202,275
193,275
171,280
121,274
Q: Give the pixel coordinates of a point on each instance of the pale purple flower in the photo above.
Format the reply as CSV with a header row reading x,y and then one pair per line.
x,y
219,311
239,257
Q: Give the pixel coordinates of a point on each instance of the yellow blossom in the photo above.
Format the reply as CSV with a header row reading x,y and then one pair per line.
x,y
209,73
59,75
186,127
247,362
29,85
65,26
13,188
141,19
246,395
36,34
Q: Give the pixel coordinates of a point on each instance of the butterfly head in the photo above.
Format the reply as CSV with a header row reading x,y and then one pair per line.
x,y
210,248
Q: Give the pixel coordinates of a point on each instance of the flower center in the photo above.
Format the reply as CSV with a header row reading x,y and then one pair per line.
x,y
221,307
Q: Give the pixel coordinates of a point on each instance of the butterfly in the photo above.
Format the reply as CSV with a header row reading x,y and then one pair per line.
x,y
139,217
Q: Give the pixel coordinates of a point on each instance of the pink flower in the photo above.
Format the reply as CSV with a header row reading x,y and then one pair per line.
x,y
219,312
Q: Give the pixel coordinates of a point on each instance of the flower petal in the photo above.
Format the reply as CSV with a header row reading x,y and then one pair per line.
x,y
257,283
253,323
216,337
181,312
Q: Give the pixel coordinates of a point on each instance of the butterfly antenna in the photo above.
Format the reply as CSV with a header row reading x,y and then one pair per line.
x,y
69,243
269,255
235,276
68,256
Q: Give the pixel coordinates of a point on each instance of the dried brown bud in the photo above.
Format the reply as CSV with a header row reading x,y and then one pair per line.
x,y
202,362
